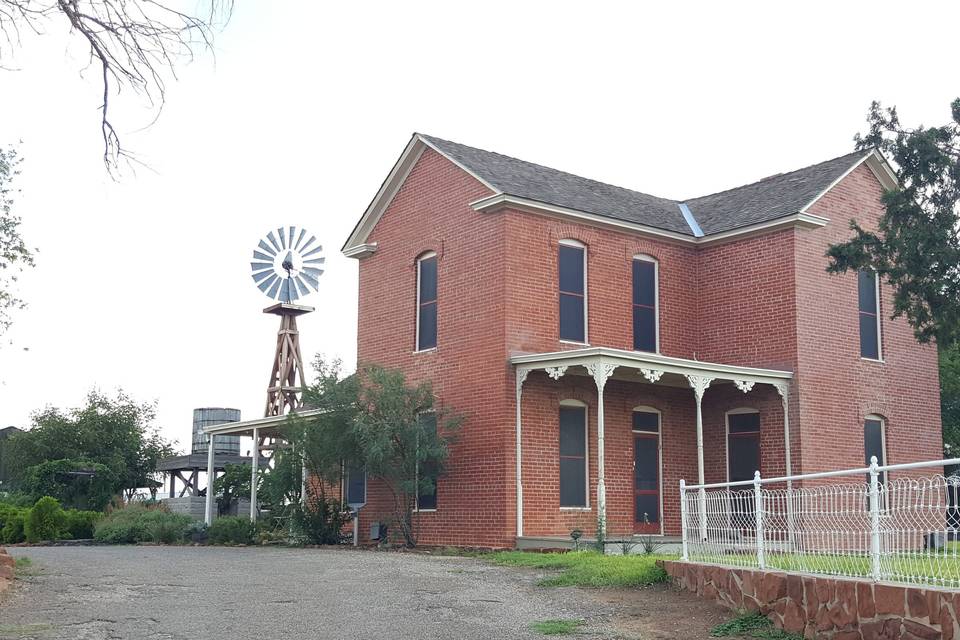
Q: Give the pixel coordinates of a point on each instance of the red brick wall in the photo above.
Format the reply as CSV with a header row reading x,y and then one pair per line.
x,y
837,388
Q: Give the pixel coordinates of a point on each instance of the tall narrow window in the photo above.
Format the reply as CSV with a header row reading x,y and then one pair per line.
x,y
427,472
573,298
427,301
743,444
645,305
874,443
573,456
868,289
646,470
355,485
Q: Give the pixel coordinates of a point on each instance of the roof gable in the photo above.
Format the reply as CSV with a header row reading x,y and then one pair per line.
x,y
776,201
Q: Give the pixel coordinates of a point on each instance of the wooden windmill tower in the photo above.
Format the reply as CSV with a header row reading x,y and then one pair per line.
x,y
287,267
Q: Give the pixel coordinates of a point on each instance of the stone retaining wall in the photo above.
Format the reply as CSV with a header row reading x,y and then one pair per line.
x,y
823,607
6,569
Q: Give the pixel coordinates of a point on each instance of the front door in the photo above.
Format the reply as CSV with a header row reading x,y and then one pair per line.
x,y
646,471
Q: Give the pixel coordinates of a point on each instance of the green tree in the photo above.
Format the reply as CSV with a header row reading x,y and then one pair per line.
x,y
233,484
78,484
915,248
14,254
396,447
117,433
950,398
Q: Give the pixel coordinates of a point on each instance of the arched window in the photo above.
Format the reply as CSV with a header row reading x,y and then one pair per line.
x,y
647,489
868,294
743,444
574,476
875,442
572,262
646,312
426,301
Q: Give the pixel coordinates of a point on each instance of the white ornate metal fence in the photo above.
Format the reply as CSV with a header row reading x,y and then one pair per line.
x,y
897,523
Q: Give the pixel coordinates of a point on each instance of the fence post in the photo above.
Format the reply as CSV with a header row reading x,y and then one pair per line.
x,y
683,519
758,511
874,519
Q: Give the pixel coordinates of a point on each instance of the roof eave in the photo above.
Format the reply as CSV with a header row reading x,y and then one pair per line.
x,y
877,164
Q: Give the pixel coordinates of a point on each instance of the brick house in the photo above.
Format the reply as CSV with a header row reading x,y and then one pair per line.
x,y
602,343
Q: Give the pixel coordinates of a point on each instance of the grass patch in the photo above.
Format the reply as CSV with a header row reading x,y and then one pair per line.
x,y
556,627
23,630
23,567
588,568
751,625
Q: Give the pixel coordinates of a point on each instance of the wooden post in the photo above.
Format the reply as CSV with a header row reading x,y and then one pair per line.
x,y
287,376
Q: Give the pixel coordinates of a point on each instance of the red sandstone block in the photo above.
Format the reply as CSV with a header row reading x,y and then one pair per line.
x,y
6,572
917,603
6,560
865,605
916,631
889,599
794,617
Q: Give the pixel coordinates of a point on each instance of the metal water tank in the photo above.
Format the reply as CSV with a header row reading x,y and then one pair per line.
x,y
208,416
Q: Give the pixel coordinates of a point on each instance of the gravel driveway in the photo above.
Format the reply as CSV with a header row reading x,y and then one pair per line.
x,y
195,593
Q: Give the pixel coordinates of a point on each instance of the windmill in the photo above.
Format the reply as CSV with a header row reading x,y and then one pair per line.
x,y
287,267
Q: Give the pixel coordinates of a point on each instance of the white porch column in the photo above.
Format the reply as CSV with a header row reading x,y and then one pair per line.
x,y
521,377
699,385
783,388
254,464
601,372
211,475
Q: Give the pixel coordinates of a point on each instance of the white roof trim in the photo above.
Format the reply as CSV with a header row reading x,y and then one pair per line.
x,y
876,163
499,201
237,428
356,245
640,360
802,220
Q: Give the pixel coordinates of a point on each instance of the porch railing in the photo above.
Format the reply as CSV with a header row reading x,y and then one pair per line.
x,y
896,523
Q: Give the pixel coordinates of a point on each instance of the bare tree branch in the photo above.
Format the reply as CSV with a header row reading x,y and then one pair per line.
x,y
135,43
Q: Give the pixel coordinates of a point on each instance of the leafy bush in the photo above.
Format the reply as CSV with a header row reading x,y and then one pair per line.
x,y
80,524
13,525
231,530
45,521
322,521
138,523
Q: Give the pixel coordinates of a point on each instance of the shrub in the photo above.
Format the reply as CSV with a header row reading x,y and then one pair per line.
x,y
12,531
231,530
45,521
138,523
322,521
80,524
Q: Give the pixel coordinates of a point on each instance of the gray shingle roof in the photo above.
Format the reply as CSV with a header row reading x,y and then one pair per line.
x,y
771,198
543,184
781,195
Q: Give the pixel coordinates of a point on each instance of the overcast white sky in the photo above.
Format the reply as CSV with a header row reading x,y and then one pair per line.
x,y
144,284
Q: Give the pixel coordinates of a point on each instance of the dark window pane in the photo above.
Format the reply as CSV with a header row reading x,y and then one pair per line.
x,y
873,440
648,504
428,327
646,421
427,496
644,329
573,484
646,464
356,485
869,345
573,462
428,279
573,438
744,457
744,423
571,317
644,283
571,269
867,290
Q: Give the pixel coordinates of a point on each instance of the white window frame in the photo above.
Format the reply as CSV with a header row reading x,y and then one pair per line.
x,y
436,484
586,451
726,436
656,296
416,345
876,298
648,409
570,242
883,434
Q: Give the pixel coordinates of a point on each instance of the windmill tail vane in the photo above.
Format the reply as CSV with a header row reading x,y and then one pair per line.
x,y
288,263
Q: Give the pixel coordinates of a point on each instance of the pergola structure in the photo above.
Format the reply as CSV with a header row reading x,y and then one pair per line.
x,y
261,430
187,469
603,364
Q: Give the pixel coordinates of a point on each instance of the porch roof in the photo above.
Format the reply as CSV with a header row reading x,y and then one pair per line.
x,y
271,426
651,365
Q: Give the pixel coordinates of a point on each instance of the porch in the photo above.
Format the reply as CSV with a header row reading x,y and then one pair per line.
x,y
645,417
